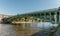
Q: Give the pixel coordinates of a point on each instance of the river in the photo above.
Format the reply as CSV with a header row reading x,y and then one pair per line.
x,y
8,30
12,30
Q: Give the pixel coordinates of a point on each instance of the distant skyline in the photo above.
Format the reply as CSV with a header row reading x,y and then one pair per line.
x,y
13,7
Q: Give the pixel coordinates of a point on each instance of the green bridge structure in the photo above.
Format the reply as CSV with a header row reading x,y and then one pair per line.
x,y
51,15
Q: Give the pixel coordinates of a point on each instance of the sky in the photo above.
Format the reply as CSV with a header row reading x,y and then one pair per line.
x,y
14,7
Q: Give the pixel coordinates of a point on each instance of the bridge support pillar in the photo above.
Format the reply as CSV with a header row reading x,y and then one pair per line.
x,y
59,13
59,16
50,17
44,15
55,17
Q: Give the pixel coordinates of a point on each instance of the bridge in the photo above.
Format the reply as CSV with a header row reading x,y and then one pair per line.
x,y
51,15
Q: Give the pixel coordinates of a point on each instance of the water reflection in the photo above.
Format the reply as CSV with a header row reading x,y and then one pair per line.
x,y
7,30
19,30
44,25
13,30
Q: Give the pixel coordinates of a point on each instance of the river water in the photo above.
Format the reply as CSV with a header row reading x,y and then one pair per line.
x,y
12,30
8,30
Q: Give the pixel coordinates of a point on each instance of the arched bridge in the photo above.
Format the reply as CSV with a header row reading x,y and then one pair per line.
x,y
53,15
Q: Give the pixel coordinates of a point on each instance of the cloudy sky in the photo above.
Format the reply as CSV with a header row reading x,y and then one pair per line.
x,y
26,6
